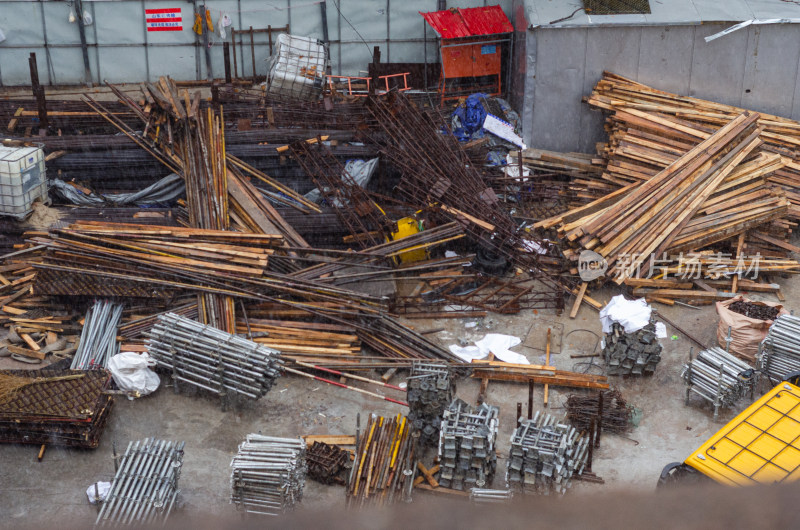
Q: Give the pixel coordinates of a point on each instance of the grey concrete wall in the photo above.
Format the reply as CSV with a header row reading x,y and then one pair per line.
x,y
121,50
755,68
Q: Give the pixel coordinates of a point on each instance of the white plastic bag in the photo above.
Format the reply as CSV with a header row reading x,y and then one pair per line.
x,y
102,492
495,343
131,371
633,315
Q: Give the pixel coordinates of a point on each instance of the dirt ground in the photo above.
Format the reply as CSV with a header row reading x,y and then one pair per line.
x,y
668,431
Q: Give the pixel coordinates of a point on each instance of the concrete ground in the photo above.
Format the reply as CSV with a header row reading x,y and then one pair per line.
x,y
52,490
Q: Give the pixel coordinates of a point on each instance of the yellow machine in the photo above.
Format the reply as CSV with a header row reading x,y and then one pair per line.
x,y
759,446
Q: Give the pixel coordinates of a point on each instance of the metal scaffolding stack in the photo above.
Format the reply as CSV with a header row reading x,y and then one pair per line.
x,y
467,445
718,377
98,341
268,474
430,390
544,455
779,353
484,496
145,486
636,353
211,359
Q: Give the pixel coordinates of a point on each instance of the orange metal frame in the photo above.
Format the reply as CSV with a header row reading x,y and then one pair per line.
x,y
364,93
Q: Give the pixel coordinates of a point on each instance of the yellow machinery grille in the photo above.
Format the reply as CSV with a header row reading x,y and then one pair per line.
x,y
761,445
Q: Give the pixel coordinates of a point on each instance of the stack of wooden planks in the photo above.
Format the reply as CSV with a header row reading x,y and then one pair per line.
x,y
678,209
527,373
649,128
304,341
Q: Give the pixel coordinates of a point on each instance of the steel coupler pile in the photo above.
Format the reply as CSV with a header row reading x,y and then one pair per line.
x,y
326,462
268,474
544,455
779,353
145,486
99,336
635,353
754,310
467,445
718,377
211,359
430,391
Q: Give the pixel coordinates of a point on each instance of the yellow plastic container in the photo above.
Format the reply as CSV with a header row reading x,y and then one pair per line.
x,y
408,226
759,446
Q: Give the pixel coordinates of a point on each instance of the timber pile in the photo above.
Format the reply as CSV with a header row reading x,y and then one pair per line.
x,y
383,469
660,215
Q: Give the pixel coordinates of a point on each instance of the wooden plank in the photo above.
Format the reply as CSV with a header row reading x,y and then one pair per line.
x,y
26,352
13,123
577,305
29,341
330,439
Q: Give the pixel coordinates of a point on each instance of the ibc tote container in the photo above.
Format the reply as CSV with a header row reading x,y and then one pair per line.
x,y
22,180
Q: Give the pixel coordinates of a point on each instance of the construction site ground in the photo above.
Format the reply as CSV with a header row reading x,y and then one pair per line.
x,y
54,489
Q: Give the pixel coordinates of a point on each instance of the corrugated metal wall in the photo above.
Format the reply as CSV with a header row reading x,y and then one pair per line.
x,y
755,68
121,50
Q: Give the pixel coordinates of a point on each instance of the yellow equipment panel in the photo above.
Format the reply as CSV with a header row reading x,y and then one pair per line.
x,y
759,446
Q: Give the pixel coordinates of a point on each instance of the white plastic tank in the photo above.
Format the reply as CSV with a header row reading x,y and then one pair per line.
x,y
22,180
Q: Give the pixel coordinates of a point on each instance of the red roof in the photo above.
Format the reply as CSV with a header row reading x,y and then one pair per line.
x,y
456,22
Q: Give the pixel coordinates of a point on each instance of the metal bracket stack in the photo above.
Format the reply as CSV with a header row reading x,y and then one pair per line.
x,y
779,352
268,474
211,359
467,445
545,455
430,391
718,377
635,353
145,486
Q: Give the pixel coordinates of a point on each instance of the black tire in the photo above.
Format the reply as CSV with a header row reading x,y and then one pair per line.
x,y
679,474
793,378
490,262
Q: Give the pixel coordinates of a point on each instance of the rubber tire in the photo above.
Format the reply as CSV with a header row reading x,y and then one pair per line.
x,y
490,262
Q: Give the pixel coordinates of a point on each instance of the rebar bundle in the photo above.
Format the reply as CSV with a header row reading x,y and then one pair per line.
x,y
383,469
614,411
326,462
635,353
212,359
430,391
779,352
718,377
544,455
145,485
98,341
268,474
467,445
